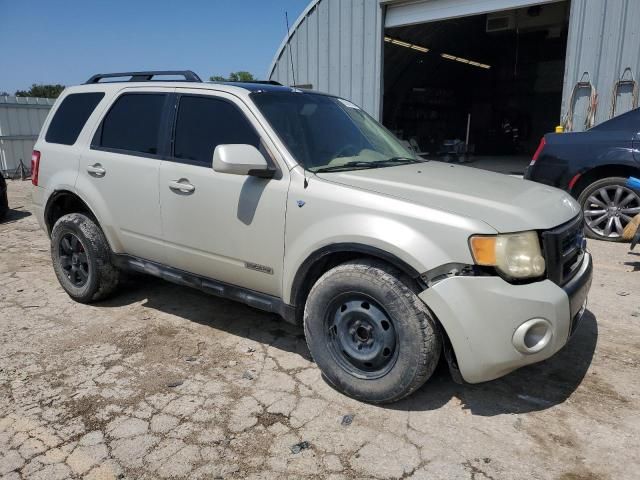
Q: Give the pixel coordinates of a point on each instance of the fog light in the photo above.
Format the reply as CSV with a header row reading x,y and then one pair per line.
x,y
533,335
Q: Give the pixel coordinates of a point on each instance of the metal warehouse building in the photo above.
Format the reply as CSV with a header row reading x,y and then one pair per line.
x,y
20,121
487,77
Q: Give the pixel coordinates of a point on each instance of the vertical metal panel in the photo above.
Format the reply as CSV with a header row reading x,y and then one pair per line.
x,y
312,53
20,121
357,47
322,15
346,48
604,41
337,48
334,46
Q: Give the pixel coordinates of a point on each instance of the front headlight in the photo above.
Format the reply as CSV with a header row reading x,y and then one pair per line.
x,y
517,255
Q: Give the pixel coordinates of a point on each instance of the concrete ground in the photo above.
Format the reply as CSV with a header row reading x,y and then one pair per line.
x,y
165,382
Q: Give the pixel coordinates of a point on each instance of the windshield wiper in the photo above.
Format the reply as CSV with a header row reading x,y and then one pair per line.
x,y
401,160
347,166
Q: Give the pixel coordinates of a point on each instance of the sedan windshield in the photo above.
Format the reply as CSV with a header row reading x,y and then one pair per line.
x,y
326,133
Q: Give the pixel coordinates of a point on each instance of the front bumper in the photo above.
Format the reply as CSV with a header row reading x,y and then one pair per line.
x,y
484,315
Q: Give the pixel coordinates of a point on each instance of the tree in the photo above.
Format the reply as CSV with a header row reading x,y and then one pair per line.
x,y
240,76
44,91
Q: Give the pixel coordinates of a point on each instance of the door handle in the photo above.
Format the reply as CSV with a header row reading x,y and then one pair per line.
x,y
96,170
182,186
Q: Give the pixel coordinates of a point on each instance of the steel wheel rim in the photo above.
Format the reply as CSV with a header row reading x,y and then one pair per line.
x,y
73,260
361,336
609,209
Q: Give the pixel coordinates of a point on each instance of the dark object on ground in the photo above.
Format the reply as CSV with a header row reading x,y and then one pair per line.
x,y
593,166
347,420
4,201
175,383
298,447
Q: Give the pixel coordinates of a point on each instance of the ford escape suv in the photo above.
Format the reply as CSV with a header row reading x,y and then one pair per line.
x,y
299,203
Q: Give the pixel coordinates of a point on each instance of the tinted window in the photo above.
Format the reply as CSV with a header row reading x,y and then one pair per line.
x,y
204,123
71,116
133,123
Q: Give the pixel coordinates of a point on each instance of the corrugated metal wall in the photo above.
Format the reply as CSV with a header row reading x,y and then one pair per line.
x,y
336,48
20,121
604,41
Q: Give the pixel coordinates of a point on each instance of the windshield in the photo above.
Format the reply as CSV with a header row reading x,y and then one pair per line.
x,y
325,133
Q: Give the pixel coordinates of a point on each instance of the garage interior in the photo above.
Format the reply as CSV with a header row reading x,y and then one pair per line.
x,y
481,89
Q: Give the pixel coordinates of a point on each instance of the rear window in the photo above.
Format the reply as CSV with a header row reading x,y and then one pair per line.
x,y
204,123
69,119
133,123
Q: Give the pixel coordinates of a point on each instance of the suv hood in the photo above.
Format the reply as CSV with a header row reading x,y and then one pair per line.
x,y
505,203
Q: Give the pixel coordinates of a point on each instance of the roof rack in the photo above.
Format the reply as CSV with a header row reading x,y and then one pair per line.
x,y
264,82
188,75
258,82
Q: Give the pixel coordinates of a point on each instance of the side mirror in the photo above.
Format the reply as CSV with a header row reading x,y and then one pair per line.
x,y
241,160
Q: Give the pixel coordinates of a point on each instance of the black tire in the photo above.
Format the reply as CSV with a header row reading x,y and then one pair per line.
x,y
591,203
332,315
4,204
82,259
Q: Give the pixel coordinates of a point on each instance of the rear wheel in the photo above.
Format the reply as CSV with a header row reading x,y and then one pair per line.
x,y
608,206
371,336
82,258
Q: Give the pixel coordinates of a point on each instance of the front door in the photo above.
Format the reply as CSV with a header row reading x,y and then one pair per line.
x,y
222,226
119,171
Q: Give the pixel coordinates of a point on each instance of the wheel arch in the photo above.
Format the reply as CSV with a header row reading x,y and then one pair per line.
x,y
62,202
603,171
329,256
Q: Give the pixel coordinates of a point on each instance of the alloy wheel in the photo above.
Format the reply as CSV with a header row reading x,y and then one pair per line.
x,y
73,259
609,209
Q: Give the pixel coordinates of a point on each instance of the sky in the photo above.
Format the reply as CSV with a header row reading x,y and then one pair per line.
x,y
68,41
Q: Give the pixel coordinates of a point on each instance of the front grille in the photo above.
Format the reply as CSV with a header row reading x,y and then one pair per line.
x,y
564,248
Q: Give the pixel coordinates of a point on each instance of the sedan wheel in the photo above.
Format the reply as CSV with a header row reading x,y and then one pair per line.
x,y
608,206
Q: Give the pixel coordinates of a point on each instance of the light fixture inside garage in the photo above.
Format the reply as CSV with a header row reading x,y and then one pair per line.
x,y
465,60
401,43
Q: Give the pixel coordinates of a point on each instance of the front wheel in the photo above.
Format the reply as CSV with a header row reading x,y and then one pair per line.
x,y
608,206
368,332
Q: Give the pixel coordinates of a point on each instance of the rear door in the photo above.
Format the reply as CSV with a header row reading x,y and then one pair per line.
x,y
119,171
221,226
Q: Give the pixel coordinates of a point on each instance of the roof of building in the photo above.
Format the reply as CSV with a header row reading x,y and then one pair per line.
x,y
10,99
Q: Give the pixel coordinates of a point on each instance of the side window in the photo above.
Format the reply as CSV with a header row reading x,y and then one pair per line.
x,y
69,119
203,123
133,123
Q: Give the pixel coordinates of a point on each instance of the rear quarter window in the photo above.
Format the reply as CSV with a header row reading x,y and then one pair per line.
x,y
133,123
70,117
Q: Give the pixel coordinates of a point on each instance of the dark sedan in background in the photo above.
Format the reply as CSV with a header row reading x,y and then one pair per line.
x,y
593,167
4,203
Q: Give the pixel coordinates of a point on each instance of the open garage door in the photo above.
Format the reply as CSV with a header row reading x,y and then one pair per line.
x,y
433,10
480,87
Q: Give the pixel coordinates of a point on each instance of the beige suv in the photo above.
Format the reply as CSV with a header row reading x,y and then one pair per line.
x,y
299,203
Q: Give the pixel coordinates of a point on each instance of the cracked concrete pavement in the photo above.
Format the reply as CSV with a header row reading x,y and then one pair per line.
x,y
165,382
